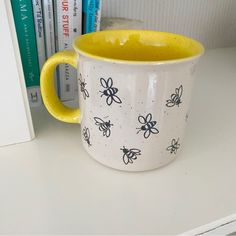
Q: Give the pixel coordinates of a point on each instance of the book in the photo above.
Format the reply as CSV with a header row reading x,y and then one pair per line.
x,y
39,31
25,29
98,13
91,15
68,26
48,20
15,120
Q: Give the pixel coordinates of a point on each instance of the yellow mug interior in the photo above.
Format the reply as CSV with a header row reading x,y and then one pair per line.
x,y
137,46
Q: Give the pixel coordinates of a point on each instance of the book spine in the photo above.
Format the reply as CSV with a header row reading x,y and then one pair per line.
x,y
91,15
39,30
69,18
24,24
84,16
88,16
77,18
98,13
48,19
34,96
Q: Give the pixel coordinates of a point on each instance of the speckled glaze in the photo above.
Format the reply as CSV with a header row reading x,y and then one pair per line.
x,y
134,94
142,90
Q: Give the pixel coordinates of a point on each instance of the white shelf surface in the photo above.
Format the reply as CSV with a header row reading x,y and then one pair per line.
x,y
51,186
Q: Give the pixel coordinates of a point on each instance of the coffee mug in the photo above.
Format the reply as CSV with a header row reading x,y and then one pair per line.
x,y
134,95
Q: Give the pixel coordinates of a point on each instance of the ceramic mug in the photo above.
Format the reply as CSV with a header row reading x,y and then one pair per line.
x,y
134,94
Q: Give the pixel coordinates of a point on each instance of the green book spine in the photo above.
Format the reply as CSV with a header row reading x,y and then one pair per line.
x,y
24,24
26,35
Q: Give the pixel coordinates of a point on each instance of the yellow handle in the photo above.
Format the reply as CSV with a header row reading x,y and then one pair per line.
x,y
49,95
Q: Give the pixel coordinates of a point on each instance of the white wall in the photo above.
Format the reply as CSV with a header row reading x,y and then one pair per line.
x,y
213,22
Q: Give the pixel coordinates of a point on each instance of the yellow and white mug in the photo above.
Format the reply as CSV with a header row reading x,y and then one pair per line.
x,y
134,94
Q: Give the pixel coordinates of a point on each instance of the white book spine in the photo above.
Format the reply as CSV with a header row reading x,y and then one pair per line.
x,y
98,14
39,31
48,16
77,18
77,30
69,25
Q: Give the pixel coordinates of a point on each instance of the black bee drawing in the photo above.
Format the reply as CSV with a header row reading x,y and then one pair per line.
x,y
110,92
86,134
130,154
175,98
148,125
104,126
174,146
83,90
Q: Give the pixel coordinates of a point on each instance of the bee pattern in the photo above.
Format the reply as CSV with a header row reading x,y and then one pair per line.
x,y
174,146
148,125
130,154
86,134
83,90
104,126
175,98
110,92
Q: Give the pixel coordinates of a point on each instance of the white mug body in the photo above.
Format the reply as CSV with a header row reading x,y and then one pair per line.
x,y
133,116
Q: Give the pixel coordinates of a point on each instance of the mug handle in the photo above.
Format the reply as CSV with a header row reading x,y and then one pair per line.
x,y
55,107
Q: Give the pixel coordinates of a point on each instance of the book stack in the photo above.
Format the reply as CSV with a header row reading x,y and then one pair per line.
x,y
44,27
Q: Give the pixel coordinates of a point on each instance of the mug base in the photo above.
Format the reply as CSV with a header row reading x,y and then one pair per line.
x,y
135,169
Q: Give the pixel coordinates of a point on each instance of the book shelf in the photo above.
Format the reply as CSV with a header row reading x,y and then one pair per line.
x,y
51,186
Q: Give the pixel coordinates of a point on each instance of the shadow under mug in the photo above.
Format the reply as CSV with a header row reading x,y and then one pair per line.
x,y
134,93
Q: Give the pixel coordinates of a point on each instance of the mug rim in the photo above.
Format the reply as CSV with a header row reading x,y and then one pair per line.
x,y
79,41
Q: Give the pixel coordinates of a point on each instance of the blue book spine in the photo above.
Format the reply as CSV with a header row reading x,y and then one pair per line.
x,y
91,15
